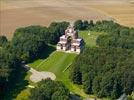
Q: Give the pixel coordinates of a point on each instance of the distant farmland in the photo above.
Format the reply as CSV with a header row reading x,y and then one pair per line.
x,y
14,14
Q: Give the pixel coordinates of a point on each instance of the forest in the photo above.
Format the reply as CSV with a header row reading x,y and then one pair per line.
x,y
106,70
50,90
26,45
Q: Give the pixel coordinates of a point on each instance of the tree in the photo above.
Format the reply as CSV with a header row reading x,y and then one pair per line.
x,y
78,24
91,24
76,74
103,71
96,85
3,40
49,90
85,24
9,68
56,30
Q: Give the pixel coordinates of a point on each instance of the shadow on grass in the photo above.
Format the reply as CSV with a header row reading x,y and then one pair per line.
x,y
75,97
47,51
44,53
17,84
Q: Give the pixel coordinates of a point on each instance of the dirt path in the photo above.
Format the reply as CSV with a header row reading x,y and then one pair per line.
x,y
38,76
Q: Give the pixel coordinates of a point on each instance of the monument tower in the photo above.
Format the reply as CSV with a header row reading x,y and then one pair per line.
x,y
70,42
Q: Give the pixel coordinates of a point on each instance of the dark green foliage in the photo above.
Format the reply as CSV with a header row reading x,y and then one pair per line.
x,y
3,40
82,25
49,90
118,36
122,39
56,30
106,72
76,75
9,67
85,24
91,24
106,26
29,42
78,24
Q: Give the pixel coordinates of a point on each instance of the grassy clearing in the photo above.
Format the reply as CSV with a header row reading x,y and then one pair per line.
x,y
90,37
57,62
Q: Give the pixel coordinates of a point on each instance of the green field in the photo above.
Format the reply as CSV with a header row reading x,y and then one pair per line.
x,y
90,37
57,62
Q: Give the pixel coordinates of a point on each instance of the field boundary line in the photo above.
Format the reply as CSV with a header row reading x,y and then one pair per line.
x,y
40,63
67,67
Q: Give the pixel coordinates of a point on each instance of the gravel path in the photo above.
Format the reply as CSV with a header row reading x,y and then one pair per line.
x,y
38,76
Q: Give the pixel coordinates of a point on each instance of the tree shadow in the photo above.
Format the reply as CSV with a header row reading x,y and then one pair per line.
x,y
75,97
17,84
47,51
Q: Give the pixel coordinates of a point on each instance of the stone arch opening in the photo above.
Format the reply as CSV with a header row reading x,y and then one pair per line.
x,y
74,48
69,39
61,46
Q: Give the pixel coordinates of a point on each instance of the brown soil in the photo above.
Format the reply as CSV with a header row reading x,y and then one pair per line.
x,y
15,14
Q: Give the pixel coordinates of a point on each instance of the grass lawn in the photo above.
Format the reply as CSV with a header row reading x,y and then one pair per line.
x,y
57,62
90,37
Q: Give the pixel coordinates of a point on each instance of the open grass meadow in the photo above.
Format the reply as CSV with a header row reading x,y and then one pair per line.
x,y
59,63
90,37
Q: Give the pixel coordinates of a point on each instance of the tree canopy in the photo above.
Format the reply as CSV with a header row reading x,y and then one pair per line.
x,y
108,69
9,68
49,90
27,44
3,40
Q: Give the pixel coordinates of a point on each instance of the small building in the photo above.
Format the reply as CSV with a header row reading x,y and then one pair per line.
x,y
70,41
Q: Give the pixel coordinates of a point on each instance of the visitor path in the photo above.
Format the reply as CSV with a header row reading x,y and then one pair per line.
x,y
38,76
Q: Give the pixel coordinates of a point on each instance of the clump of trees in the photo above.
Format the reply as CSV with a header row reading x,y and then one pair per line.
x,y
9,69
56,30
108,69
118,36
26,45
29,42
104,72
83,25
49,90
